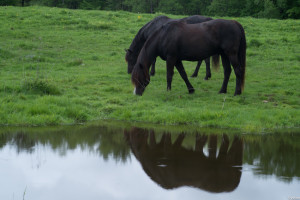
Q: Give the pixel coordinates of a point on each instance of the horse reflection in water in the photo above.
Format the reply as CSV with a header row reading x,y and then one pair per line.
x,y
171,165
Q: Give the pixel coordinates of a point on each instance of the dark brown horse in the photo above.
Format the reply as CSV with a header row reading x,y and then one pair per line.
x,y
152,26
177,41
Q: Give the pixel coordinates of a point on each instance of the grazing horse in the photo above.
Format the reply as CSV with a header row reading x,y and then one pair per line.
x,y
177,41
152,26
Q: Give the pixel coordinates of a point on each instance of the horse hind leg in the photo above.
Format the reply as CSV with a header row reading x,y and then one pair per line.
x,y
152,72
227,72
238,73
195,74
170,72
208,73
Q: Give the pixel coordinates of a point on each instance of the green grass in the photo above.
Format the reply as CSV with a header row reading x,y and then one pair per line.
x,y
60,66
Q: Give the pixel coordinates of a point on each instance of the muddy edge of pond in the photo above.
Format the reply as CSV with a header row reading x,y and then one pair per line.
x,y
173,129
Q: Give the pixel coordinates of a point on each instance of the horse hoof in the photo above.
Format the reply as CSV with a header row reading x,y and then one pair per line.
x,y
222,92
194,75
191,91
152,73
207,78
237,93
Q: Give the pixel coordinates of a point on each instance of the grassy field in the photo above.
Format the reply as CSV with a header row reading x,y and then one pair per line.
x,y
60,66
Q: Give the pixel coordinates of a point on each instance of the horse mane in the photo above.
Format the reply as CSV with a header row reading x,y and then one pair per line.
x,y
142,35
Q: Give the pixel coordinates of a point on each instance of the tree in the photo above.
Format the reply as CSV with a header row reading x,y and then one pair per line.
x,y
170,6
257,8
197,7
8,2
270,10
145,6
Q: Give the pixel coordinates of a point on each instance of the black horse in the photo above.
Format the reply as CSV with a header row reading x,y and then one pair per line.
x,y
152,26
177,41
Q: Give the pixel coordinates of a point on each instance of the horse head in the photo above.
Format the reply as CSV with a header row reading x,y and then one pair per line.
x,y
140,78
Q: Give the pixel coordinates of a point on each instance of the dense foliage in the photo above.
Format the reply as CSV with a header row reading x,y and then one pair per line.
x,y
280,9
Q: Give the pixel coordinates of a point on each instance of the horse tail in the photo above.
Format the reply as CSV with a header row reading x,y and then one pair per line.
x,y
242,54
216,61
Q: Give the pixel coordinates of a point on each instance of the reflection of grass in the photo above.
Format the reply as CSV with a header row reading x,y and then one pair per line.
x,y
24,193
70,64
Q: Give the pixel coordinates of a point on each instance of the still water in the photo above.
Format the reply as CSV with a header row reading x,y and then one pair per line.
x,y
103,162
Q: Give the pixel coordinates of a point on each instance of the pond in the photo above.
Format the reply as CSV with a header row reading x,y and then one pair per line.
x,y
109,162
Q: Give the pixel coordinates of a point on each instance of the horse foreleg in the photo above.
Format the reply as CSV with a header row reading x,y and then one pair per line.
x,y
195,74
227,72
152,72
208,73
170,72
238,73
183,75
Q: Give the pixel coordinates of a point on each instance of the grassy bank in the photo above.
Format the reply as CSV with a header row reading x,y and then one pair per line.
x,y
61,66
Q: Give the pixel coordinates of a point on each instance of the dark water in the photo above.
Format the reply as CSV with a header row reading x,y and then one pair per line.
x,y
102,162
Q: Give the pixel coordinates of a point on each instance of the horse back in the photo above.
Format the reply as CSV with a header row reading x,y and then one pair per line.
x,y
195,19
198,41
219,33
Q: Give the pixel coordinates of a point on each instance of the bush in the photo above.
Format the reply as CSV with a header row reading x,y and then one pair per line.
x,y
270,11
9,2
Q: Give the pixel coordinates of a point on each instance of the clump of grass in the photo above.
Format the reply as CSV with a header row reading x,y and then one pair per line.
x,y
42,87
271,42
254,43
78,115
38,109
76,62
97,26
94,57
65,12
27,46
284,39
34,58
5,54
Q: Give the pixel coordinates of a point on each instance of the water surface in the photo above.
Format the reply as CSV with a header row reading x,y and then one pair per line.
x,y
102,162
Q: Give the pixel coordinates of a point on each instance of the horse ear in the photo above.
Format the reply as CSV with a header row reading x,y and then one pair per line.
x,y
128,51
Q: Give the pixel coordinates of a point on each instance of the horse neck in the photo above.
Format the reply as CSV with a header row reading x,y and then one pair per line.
x,y
137,43
148,54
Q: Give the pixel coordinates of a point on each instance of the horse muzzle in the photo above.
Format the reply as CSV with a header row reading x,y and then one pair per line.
x,y
138,91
